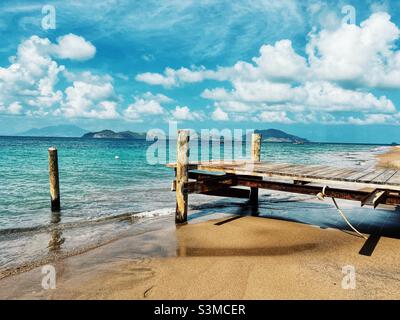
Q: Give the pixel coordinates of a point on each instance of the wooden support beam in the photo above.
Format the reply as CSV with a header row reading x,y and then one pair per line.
x,y
346,194
54,180
211,184
230,193
182,177
300,182
374,198
255,157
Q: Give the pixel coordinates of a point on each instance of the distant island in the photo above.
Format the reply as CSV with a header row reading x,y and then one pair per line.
x,y
109,134
274,135
68,131
72,131
269,135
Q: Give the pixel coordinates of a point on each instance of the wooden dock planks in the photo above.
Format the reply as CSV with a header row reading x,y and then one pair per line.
x,y
365,177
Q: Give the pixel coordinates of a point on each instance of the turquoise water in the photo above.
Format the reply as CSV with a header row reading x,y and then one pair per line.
x,y
105,179
95,183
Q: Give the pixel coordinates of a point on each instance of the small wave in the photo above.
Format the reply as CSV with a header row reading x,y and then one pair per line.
x,y
88,222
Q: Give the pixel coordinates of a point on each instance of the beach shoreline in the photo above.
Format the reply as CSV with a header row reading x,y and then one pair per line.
x,y
156,260
390,159
220,258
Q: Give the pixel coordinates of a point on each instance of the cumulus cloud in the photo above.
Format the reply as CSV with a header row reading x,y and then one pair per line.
x,y
73,47
29,85
147,104
184,113
31,77
364,55
280,83
274,116
281,61
219,115
90,99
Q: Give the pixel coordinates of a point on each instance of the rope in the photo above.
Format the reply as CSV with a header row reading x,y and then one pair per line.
x,y
321,196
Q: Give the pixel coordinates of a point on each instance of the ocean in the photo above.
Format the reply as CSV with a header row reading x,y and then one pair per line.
x,y
108,185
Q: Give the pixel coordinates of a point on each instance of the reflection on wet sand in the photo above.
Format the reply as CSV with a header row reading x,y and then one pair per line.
x,y
56,239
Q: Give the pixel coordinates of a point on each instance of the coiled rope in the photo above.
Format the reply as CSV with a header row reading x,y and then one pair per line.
x,y
321,196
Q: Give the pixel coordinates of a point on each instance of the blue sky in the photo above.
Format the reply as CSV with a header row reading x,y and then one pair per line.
x,y
302,66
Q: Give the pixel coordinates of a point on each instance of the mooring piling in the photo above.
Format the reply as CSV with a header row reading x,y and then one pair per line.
x,y
182,176
54,180
255,157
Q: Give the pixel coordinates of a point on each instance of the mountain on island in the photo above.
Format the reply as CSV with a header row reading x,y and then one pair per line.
x,y
109,134
274,135
68,131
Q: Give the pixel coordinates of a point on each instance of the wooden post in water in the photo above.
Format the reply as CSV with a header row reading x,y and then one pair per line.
x,y
255,157
54,180
182,176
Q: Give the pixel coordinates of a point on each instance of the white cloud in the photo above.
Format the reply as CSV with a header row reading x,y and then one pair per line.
x,y
219,115
317,96
157,79
14,108
73,47
279,80
375,119
90,99
143,106
184,113
363,54
281,61
122,76
274,116
31,78
28,84
148,57
157,97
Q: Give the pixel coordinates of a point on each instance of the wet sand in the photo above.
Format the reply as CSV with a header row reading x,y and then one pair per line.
x,y
390,159
225,258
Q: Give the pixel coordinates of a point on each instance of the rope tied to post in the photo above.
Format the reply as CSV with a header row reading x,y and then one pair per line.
x,y
321,196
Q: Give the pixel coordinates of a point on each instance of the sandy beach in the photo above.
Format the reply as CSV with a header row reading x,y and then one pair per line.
x,y
390,159
226,258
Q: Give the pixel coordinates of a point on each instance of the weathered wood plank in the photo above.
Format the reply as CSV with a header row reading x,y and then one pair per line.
x,y
340,174
385,176
323,172
302,170
395,179
371,176
344,174
359,174
368,177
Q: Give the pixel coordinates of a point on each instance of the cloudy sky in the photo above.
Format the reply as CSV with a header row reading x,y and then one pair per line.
x,y
324,70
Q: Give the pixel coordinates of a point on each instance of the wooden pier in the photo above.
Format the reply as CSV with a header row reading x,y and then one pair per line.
x,y
242,179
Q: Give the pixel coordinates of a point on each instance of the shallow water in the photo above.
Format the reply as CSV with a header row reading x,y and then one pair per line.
x,y
104,183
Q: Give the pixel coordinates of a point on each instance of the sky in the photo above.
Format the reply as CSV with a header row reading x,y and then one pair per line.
x,y
327,71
